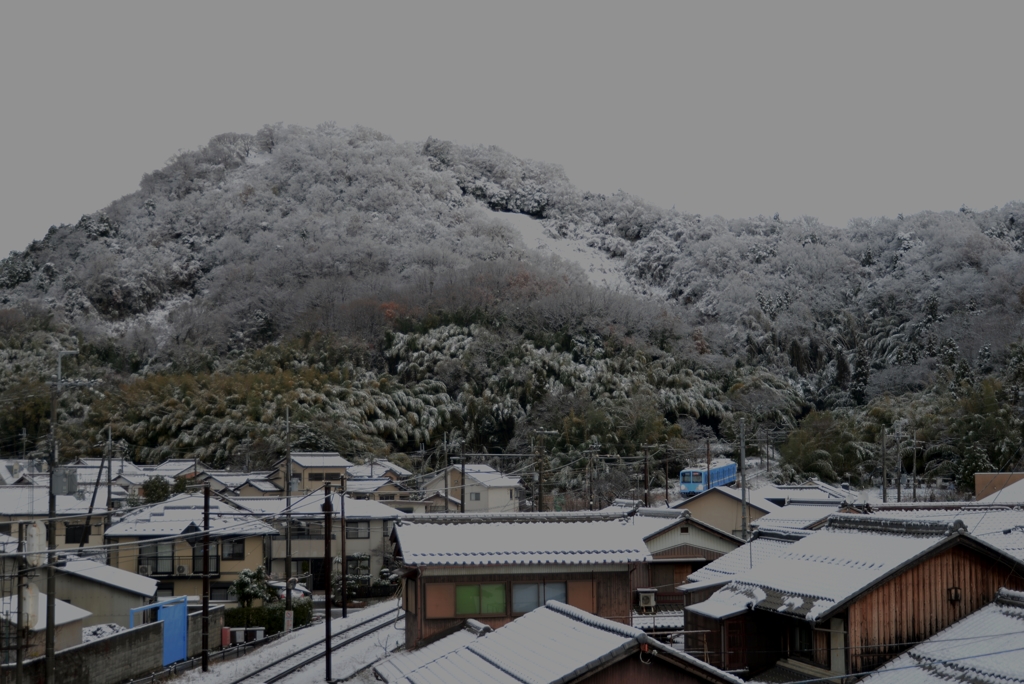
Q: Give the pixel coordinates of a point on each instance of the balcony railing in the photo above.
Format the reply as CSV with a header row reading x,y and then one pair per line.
x,y
176,566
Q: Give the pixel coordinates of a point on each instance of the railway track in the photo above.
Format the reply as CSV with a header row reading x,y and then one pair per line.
x,y
293,662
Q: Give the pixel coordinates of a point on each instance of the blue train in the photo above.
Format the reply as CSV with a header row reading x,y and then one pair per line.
x,y
695,480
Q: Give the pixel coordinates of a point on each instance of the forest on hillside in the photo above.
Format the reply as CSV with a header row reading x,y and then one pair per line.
x,y
372,289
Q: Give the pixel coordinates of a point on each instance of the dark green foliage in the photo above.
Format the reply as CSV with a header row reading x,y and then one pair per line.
x,y
270,616
156,489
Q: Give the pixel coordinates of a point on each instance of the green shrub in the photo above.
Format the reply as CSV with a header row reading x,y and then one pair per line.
x,y
270,616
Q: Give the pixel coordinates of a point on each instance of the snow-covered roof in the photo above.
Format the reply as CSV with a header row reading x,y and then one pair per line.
x,y
120,465
110,575
184,513
63,612
1000,527
753,498
589,542
808,491
983,648
319,459
764,545
235,480
798,516
1012,494
482,474
554,643
666,618
366,485
309,506
823,570
29,500
376,468
172,467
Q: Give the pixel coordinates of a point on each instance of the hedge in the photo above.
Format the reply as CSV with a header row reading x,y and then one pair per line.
x,y
270,616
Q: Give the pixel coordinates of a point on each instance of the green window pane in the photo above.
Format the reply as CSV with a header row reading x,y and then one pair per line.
x,y
467,600
492,598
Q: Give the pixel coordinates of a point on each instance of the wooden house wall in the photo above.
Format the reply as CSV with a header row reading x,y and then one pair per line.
x,y
915,605
611,598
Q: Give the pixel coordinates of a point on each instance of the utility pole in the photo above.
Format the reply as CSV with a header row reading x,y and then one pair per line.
x,y
899,465
445,472
288,521
206,576
647,479
665,463
462,494
327,509
110,476
92,502
885,475
708,442
743,478
22,598
344,551
51,530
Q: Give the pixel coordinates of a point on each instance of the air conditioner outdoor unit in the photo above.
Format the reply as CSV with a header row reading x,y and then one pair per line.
x,y
647,601
181,570
145,570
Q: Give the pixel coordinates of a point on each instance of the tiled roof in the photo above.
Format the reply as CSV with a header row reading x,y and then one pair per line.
x,y
753,498
29,500
483,474
552,644
763,546
376,468
1003,528
521,543
986,647
366,485
320,459
824,569
799,516
184,512
308,506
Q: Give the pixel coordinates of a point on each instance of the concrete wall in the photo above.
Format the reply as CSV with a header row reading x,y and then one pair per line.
x,y
117,658
195,630
106,603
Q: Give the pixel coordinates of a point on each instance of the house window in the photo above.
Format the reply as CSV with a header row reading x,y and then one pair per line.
x,y
526,597
358,565
316,477
164,589
197,557
234,549
480,599
474,496
221,591
332,477
357,530
76,534
5,528
802,643
157,559
387,497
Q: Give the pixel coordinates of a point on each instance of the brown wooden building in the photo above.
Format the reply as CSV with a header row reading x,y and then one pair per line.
x,y
496,567
554,643
849,597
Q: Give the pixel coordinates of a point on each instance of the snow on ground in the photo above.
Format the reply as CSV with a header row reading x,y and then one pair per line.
x,y
100,631
601,269
344,660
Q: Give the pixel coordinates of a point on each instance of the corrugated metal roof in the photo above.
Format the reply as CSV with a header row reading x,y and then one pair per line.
x,y
798,516
986,647
742,559
108,574
517,543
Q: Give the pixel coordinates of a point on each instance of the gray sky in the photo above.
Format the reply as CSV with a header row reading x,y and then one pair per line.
x,y
833,110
